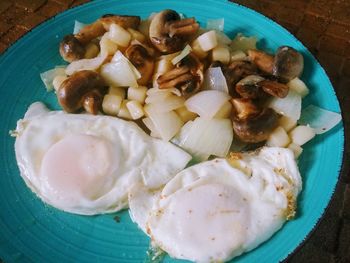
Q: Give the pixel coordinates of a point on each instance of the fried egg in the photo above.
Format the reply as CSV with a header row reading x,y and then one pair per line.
x,y
85,164
219,209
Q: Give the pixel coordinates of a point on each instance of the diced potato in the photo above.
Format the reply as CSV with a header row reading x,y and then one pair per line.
x,y
297,150
111,104
57,81
207,41
185,115
144,27
301,134
221,53
119,91
91,50
107,46
287,123
123,111
225,111
137,35
278,138
299,86
197,50
135,109
119,35
238,55
138,94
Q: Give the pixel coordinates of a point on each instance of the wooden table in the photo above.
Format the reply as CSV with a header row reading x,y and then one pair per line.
x,y
323,26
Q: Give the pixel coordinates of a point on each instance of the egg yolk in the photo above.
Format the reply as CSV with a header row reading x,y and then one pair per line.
x,y
78,166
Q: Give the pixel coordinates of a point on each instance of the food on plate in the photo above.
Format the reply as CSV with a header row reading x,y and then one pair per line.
x,y
216,210
202,98
85,164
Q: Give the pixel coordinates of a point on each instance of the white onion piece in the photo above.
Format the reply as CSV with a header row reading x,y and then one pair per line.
x,y
78,26
222,38
319,119
48,76
187,50
168,103
86,64
214,79
119,72
166,124
289,106
217,24
207,103
149,124
241,42
204,137
155,90
118,56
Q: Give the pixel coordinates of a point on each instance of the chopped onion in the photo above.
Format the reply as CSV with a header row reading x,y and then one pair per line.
x,y
149,124
217,24
238,55
166,124
86,64
319,119
222,38
203,137
155,90
78,26
118,56
241,42
301,134
187,50
48,76
289,106
120,72
207,103
168,103
214,79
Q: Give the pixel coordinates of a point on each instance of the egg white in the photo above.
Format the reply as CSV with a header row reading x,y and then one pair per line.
x,y
129,156
219,209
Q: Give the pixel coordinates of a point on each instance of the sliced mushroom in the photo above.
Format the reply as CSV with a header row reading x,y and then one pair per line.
x,y
249,87
244,108
83,89
255,128
288,63
274,88
90,32
122,20
187,76
142,60
168,33
262,60
71,49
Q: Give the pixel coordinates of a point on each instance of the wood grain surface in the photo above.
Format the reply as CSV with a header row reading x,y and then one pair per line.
x,y
323,27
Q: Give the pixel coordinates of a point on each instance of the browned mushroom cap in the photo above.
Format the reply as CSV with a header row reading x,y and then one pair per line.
x,y
71,49
122,20
274,88
168,33
249,87
142,60
254,127
187,76
83,89
288,63
262,60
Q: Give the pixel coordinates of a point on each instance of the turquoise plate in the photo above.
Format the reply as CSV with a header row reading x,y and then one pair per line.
x,y
34,232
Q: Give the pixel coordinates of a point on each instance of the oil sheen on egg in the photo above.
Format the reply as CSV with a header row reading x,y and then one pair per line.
x,y
86,164
219,209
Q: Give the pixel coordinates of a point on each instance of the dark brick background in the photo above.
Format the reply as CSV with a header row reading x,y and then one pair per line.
x,y
323,26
